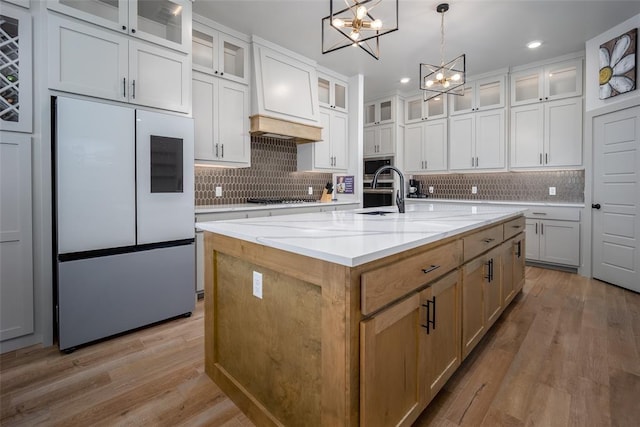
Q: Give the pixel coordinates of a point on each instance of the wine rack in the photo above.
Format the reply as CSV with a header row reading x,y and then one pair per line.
x,y
9,69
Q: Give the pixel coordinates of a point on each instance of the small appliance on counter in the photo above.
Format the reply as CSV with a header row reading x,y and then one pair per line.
x,y
415,190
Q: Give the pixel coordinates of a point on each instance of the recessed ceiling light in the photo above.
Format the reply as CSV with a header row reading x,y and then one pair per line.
x,y
405,80
534,44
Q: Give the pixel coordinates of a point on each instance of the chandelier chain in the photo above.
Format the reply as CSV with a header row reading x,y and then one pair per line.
x,y
442,39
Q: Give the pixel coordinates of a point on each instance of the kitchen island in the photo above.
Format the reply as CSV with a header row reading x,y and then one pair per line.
x,y
353,318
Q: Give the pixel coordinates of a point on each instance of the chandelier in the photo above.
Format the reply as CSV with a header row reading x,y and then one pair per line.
x,y
359,24
436,80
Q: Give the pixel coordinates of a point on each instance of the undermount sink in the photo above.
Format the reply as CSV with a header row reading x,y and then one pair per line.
x,y
381,213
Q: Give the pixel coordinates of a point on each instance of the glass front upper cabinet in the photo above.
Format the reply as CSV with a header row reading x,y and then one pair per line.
x,y
480,95
417,109
164,22
219,54
554,81
332,93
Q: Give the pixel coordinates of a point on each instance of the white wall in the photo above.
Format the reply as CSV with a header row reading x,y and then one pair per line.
x,y
592,67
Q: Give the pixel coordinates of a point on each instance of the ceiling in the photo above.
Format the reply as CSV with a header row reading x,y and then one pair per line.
x,y
491,33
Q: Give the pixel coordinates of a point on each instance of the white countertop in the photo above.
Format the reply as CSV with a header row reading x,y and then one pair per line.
x,y
349,238
259,206
498,202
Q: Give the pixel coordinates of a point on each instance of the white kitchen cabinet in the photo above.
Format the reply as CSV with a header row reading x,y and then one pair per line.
x,y
163,22
479,95
329,154
91,61
477,141
218,53
547,134
418,110
554,81
16,48
221,120
16,253
553,236
332,92
425,147
379,140
380,111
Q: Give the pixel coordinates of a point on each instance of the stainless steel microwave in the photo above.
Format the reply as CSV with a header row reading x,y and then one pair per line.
x,y
371,165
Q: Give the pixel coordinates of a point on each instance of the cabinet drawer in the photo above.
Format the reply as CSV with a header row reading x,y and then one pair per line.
x,y
386,284
481,241
513,227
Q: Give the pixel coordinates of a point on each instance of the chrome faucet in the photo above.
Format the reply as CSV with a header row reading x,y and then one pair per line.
x,y
400,192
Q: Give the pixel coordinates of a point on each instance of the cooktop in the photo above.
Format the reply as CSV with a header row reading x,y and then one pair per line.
x,y
280,200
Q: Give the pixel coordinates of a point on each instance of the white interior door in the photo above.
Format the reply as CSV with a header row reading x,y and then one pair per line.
x,y
616,198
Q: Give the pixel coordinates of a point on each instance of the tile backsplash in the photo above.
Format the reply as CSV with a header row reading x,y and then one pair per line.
x,y
512,186
272,174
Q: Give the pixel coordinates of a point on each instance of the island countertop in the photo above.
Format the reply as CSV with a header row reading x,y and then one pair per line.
x,y
352,238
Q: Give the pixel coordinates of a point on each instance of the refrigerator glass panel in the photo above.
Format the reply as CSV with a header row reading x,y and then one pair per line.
x,y
166,165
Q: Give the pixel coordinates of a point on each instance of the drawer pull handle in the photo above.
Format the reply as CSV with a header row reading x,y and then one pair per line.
x,y
431,314
516,226
430,269
488,240
538,213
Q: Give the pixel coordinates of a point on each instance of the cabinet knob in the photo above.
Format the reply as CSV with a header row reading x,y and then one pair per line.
x,y
124,27
133,30
222,73
596,206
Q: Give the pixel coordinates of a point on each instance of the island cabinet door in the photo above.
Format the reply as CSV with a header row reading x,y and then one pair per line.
x,y
513,267
440,343
473,324
390,365
492,286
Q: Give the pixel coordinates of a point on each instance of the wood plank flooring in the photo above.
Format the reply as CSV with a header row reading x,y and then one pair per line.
x,y
565,353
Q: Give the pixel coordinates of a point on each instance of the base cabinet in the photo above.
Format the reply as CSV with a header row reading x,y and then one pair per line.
x,y
390,367
513,263
555,242
408,352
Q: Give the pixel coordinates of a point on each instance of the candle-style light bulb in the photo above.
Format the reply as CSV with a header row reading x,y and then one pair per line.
x,y
338,23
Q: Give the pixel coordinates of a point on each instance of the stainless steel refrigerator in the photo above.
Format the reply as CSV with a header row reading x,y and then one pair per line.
x,y
123,219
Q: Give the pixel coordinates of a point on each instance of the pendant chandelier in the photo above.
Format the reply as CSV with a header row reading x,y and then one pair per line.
x,y
436,80
359,24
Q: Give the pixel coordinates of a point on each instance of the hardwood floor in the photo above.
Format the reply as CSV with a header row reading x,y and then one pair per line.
x,y
565,353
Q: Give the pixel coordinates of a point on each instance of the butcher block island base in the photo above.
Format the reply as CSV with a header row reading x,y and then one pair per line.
x,y
359,319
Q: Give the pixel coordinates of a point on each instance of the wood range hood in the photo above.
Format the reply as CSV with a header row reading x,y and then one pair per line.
x,y
279,128
284,94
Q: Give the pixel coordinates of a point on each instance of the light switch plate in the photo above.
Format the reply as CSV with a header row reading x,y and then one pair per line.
x,y
552,191
218,191
257,284
474,190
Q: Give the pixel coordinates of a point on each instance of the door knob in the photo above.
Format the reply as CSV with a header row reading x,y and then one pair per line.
x,y
596,206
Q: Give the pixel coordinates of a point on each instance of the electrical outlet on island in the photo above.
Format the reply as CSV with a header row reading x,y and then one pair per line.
x,y
552,191
310,191
474,190
218,191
